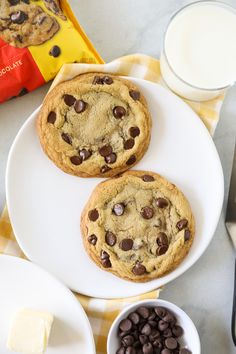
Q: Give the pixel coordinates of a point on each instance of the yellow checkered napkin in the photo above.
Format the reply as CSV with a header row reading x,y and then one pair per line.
x,y
102,312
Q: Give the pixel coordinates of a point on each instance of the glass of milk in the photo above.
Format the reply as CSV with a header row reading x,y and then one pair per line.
x,y
198,60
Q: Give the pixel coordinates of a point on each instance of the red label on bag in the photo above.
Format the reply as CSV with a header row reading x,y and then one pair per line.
x,y
18,72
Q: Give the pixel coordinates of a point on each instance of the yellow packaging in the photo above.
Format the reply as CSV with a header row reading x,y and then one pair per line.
x,y
74,44
26,61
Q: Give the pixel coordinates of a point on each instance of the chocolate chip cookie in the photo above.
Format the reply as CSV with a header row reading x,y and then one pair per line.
x,y
95,125
23,24
138,226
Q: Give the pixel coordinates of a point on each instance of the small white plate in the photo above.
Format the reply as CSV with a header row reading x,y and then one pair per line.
x,y
45,203
25,285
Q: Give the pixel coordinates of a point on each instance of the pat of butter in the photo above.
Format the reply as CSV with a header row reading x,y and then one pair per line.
x,y
29,332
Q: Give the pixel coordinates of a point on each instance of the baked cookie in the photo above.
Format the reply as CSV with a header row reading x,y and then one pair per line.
x,y
138,226
23,24
94,125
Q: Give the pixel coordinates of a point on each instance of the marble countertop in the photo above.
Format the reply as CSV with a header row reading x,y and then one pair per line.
x,y
123,27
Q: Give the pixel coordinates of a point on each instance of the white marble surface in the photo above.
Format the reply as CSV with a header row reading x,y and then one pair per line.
x,y
119,27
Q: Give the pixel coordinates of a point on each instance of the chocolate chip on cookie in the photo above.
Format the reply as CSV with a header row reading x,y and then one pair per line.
x,y
92,239
111,158
76,160
55,51
161,203
93,215
162,239
134,132
118,209
147,212
107,80
181,224
85,154
110,238
119,112
106,263
105,169
19,38
18,17
104,254
131,160
126,244
98,80
80,106
69,100
147,178
51,117
187,235
13,2
67,138
139,269
105,259
129,144
135,95
41,20
105,150
162,250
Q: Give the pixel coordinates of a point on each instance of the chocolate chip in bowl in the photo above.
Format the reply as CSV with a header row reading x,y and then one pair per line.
x,y
153,327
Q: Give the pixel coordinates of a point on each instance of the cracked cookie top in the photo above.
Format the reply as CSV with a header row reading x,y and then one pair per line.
x,y
138,226
95,125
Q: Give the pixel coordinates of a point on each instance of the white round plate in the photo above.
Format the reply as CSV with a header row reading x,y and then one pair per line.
x,y
25,285
45,203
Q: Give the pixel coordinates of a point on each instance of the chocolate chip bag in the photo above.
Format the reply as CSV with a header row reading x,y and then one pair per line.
x,y
36,38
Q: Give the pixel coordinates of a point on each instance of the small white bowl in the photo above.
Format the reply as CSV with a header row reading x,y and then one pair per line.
x,y
189,340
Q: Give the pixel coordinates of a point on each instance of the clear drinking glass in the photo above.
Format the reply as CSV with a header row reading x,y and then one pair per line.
x,y
176,81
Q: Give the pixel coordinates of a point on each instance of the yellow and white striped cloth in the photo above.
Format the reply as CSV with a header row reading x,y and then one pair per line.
x,y
102,312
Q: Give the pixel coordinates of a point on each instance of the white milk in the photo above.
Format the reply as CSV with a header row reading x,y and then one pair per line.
x,y
200,49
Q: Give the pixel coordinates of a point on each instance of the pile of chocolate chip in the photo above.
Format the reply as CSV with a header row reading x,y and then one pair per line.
x,y
150,330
